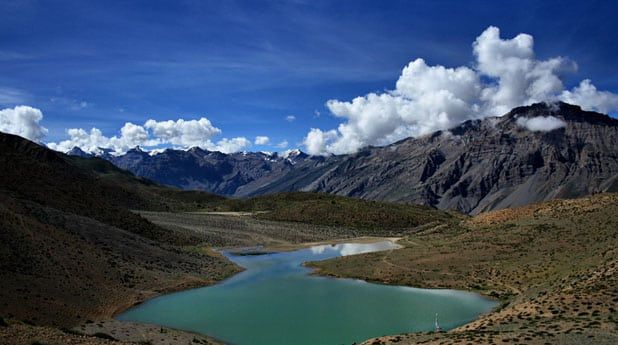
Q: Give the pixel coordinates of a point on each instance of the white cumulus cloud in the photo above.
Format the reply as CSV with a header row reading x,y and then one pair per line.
x,y
261,140
587,96
185,133
428,98
226,145
541,123
290,118
319,142
23,121
180,133
131,135
87,141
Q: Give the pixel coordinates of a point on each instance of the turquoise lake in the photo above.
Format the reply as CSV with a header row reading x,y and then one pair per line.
x,y
276,301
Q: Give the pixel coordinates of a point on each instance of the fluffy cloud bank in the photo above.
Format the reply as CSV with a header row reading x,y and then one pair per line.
x,y
183,133
587,96
428,98
180,133
23,121
226,145
541,123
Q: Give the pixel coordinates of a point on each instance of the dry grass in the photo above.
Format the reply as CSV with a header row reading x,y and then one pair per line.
x,y
553,265
225,231
369,217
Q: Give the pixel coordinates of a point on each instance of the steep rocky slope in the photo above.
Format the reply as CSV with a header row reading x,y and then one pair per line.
x,y
488,164
71,248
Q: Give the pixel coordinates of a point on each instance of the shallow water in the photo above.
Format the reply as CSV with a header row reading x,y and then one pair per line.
x,y
276,301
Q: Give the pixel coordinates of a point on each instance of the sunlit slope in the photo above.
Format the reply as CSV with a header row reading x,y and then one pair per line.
x,y
374,217
552,264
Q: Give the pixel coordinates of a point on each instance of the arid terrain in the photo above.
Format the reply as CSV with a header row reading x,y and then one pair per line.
x,y
63,270
129,269
553,265
82,240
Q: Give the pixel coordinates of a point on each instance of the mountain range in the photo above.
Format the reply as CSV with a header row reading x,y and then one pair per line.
x,y
533,153
75,250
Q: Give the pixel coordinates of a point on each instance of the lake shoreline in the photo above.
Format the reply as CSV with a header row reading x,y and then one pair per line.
x,y
112,326
272,249
281,249
318,271
131,331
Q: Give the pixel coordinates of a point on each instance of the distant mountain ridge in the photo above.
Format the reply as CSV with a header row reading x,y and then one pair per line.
x,y
236,174
477,166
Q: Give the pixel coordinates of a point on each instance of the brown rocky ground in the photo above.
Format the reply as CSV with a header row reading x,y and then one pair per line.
x,y
553,265
23,334
109,332
60,269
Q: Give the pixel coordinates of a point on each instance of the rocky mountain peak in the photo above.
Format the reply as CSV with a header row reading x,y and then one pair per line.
x,y
295,153
76,151
565,111
137,150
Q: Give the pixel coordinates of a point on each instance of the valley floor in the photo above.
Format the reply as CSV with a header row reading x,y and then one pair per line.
x,y
149,270
553,266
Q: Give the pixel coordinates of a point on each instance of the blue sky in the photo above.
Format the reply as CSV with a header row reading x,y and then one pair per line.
x,y
247,65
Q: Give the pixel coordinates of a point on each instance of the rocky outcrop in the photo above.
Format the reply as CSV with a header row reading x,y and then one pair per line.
x,y
488,164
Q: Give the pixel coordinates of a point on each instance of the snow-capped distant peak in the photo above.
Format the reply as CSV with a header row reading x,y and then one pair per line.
x,y
155,152
291,153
